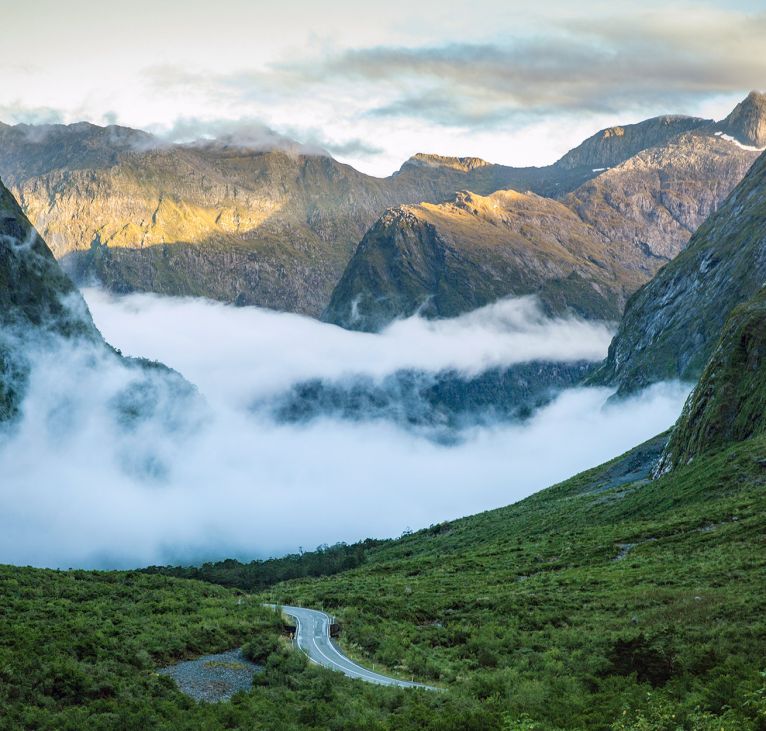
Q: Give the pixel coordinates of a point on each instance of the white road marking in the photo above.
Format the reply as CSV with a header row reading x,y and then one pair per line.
x,y
320,622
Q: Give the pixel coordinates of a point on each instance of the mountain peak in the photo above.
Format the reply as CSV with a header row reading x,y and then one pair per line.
x,y
747,121
464,164
613,145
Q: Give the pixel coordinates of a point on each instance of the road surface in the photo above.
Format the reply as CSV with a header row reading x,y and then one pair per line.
x,y
313,637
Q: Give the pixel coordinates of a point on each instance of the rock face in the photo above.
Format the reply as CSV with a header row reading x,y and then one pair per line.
x,y
34,293
649,206
614,145
37,302
747,123
671,324
586,252
729,402
264,227
277,227
442,260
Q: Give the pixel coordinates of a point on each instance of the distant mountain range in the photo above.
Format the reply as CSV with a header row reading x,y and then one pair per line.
x,y
654,183
273,227
279,227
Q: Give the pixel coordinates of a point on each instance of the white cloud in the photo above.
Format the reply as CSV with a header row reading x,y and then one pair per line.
x,y
513,82
79,489
258,351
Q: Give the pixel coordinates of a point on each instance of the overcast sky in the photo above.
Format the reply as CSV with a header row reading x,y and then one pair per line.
x,y
514,82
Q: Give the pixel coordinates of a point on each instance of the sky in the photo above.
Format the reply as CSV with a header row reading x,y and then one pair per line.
x,y
373,83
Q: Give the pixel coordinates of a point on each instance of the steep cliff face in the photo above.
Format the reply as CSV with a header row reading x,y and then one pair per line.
x,y
671,324
442,260
635,217
650,205
37,301
729,402
41,311
747,122
34,292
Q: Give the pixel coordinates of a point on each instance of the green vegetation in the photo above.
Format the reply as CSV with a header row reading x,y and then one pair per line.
x,y
259,575
597,603
79,650
729,403
606,602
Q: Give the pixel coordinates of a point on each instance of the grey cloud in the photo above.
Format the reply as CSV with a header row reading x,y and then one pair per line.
x,y
17,113
630,62
254,134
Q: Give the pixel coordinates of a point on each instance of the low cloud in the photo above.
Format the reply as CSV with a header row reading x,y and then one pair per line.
x,y
80,489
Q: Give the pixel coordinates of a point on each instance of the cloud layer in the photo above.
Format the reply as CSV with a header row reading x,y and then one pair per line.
x,y
513,82
80,489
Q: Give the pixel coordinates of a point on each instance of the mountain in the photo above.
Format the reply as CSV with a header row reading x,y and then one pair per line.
x,y
442,260
671,325
242,222
37,302
221,219
747,122
728,404
435,405
649,206
620,226
606,238
614,145
41,311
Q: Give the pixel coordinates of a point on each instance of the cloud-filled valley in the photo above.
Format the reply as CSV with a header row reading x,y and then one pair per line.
x,y
211,477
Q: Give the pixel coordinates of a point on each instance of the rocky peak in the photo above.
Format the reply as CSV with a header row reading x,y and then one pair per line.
x,y
464,164
614,145
747,121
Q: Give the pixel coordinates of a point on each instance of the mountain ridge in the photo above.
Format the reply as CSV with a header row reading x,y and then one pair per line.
x,y
270,227
671,324
636,216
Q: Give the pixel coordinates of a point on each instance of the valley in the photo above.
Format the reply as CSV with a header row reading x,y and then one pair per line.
x,y
296,436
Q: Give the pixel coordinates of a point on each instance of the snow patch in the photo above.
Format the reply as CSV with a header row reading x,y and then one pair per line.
x,y
729,138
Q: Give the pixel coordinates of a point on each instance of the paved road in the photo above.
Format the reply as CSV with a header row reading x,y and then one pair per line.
x,y
313,637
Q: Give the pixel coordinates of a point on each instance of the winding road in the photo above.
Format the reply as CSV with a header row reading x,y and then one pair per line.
x,y
312,636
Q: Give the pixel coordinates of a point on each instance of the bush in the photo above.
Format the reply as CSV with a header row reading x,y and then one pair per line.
x,y
260,647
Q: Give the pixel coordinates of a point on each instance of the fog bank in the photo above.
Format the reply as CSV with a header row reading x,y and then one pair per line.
x,y
80,489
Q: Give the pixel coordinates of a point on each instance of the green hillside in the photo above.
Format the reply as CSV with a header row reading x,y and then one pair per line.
x,y
605,595
608,601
